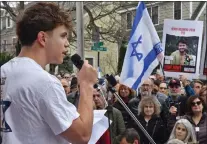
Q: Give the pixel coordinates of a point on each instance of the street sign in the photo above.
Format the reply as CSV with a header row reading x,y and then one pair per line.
x,y
98,46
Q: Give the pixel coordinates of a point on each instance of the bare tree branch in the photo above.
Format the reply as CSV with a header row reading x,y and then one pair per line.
x,y
91,22
3,7
9,10
108,13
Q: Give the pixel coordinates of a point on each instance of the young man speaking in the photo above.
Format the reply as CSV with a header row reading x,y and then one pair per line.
x,y
39,112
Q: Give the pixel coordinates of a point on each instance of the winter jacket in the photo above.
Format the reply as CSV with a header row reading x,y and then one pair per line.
x,y
181,101
201,135
125,114
133,106
155,128
117,126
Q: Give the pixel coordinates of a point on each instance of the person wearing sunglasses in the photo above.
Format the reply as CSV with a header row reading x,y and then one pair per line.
x,y
196,115
163,88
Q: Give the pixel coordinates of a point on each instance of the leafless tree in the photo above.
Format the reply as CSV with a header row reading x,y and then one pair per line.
x,y
102,17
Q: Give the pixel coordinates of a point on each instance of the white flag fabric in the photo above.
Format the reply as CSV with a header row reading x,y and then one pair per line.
x,y
99,72
143,52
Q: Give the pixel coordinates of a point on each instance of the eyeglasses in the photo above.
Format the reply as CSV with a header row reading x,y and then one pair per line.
x,y
66,77
146,85
195,103
163,88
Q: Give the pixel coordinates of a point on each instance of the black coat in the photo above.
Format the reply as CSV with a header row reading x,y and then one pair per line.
x,y
155,128
124,113
133,106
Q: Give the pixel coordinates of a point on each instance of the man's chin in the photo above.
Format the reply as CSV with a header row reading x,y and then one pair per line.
x,y
174,94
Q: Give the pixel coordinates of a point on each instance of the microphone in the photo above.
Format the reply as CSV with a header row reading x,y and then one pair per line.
x,y
78,62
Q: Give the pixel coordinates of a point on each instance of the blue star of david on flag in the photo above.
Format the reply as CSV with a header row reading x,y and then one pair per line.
x,y
144,51
134,51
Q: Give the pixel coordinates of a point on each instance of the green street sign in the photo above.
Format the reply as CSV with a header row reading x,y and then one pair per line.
x,y
98,48
98,44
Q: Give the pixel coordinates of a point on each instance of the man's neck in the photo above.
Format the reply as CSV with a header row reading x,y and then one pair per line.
x,y
33,54
182,54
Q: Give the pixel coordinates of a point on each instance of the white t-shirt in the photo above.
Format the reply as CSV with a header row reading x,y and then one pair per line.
x,y
39,110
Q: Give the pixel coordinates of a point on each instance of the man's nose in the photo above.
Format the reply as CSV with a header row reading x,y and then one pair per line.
x,y
67,44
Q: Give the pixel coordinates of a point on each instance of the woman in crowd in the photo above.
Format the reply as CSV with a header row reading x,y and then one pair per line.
x,y
126,94
197,117
149,117
183,130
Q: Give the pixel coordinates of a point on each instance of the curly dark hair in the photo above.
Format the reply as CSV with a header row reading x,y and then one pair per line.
x,y
190,100
182,40
41,16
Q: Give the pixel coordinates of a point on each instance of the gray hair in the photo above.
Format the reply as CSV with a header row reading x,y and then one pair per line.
x,y
146,100
175,141
190,131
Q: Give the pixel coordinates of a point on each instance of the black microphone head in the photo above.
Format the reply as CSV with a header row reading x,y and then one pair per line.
x,y
111,80
76,60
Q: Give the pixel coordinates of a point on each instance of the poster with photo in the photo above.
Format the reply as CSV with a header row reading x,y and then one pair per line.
x,y
182,41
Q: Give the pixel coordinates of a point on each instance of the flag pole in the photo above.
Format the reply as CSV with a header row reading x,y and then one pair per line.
x,y
111,83
161,67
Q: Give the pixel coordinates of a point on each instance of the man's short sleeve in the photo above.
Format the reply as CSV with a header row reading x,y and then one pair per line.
x,y
57,112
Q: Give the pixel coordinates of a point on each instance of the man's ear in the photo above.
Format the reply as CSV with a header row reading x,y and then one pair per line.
x,y
41,38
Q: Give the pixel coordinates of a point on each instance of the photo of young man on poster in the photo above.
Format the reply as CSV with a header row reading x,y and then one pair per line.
x,y
180,53
181,56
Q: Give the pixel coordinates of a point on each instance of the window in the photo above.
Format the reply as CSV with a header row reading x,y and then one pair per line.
x,y
90,61
8,22
177,10
129,20
153,13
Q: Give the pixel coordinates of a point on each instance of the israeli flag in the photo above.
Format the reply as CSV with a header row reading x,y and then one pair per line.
x,y
99,72
143,52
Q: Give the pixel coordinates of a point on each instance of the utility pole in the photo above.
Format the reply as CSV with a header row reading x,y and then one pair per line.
x,y
96,39
80,31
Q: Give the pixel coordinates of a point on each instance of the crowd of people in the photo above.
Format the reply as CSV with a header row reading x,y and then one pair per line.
x,y
37,111
171,111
